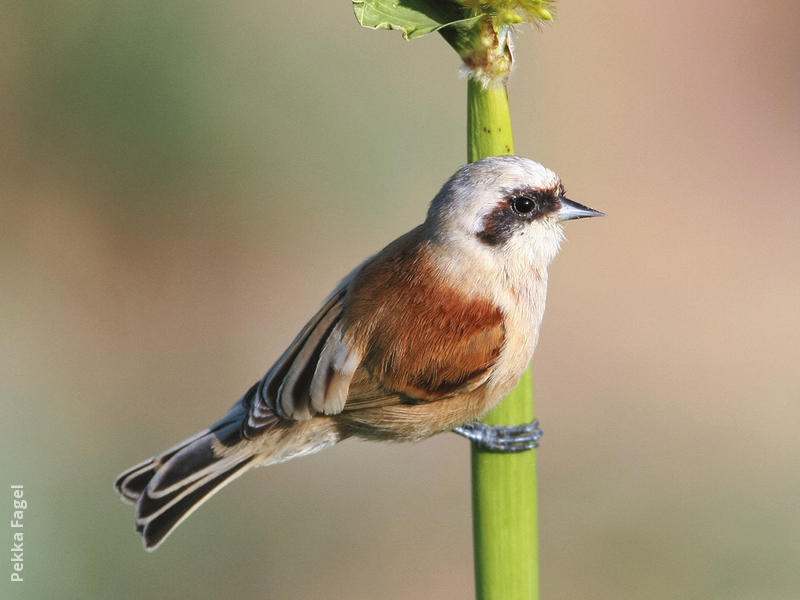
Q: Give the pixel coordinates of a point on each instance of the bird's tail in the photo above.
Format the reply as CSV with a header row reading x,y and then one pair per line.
x,y
169,487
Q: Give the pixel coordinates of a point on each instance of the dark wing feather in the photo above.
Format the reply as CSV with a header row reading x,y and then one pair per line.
x,y
289,369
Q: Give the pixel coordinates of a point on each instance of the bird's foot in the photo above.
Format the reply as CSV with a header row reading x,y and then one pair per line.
x,y
498,438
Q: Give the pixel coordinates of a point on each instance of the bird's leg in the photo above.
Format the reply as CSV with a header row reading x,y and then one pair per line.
x,y
499,438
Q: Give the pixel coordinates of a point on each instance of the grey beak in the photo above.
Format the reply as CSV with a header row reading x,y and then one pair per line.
x,y
573,210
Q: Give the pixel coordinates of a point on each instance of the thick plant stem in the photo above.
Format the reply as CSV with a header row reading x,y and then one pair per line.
x,y
504,503
488,121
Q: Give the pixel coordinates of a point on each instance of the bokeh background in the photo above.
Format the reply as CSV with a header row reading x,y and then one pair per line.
x,y
181,183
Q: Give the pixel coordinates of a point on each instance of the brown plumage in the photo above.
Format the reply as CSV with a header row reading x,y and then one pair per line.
x,y
442,340
428,334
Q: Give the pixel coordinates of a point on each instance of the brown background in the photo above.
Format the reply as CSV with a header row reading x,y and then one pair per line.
x,y
182,183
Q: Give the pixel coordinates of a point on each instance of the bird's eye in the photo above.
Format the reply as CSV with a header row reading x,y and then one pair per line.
x,y
522,205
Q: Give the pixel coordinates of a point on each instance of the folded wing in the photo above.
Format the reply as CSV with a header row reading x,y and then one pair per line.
x,y
391,333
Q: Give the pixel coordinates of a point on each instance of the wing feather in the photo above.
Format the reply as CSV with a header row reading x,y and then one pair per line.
x,y
265,406
391,333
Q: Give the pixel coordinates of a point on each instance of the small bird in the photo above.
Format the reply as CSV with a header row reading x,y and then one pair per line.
x,y
424,337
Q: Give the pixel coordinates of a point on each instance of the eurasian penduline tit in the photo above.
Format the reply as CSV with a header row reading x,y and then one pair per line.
x,y
425,336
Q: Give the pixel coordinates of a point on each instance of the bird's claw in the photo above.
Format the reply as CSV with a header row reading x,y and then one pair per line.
x,y
499,438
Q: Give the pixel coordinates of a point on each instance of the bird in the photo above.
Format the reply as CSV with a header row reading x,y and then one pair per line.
x,y
424,337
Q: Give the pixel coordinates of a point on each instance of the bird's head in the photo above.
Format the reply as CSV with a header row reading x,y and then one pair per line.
x,y
510,206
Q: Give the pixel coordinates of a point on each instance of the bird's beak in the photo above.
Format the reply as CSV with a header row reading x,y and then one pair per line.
x,y
573,210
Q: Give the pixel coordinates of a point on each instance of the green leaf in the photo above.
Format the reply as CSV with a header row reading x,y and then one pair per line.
x,y
414,18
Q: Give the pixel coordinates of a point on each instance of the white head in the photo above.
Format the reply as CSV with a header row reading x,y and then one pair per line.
x,y
505,204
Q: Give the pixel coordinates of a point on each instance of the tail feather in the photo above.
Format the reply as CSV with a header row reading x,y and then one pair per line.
x,y
169,487
172,485
133,482
156,526
192,462
195,461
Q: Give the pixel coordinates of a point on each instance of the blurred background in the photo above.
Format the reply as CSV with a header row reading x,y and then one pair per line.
x,y
182,183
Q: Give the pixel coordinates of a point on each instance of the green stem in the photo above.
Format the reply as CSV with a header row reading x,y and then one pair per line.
x,y
504,502
488,121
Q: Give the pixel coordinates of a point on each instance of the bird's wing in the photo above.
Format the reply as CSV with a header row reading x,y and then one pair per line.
x,y
425,341
284,390
390,333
